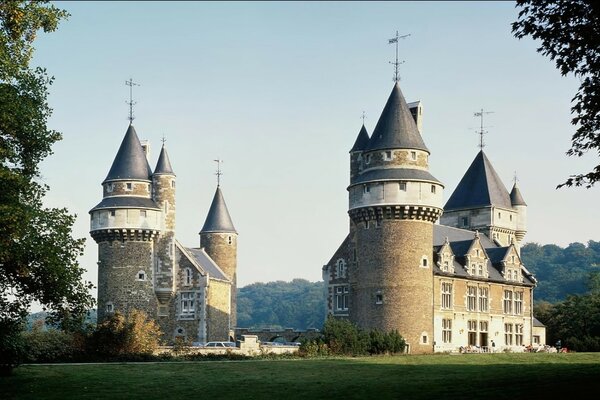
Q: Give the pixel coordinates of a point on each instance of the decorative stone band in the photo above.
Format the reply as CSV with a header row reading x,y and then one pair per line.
x,y
422,213
519,235
122,235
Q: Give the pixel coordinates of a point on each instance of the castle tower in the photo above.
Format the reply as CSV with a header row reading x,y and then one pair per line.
x,y
393,204
163,181
516,199
124,224
218,237
481,202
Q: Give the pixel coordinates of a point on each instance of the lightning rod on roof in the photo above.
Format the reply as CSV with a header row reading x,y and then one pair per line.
x,y
397,63
131,103
481,131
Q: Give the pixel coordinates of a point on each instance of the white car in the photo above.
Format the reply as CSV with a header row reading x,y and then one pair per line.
x,y
219,345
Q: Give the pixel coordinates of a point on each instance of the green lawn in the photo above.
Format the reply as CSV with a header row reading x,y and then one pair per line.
x,y
466,376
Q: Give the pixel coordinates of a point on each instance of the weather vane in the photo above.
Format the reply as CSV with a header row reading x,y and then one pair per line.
x,y
131,103
397,63
515,179
163,140
219,172
481,131
363,116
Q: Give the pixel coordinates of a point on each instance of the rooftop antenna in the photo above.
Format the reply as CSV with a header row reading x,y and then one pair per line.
x,y
481,131
363,116
131,103
219,172
397,63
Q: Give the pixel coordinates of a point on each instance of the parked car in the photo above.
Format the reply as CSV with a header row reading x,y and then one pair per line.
x,y
220,345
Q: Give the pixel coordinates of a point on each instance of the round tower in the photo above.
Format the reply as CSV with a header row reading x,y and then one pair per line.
x,y
393,204
124,225
163,183
516,199
218,237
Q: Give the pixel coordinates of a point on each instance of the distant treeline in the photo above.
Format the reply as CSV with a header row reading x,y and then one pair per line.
x,y
300,304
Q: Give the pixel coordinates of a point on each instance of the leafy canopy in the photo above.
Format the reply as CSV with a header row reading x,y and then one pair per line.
x,y
569,31
38,255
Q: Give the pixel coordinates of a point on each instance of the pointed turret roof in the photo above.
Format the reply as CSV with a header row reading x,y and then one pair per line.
x,y
218,219
515,196
396,128
163,165
480,186
130,161
362,140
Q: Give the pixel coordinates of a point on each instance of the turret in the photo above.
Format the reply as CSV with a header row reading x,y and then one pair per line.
x,y
393,203
516,199
218,237
164,194
361,142
124,224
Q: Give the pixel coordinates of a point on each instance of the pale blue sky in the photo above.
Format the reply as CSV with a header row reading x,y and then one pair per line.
x,y
277,89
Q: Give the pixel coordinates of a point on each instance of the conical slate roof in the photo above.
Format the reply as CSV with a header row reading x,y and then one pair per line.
x,y
130,161
515,196
396,128
218,219
362,140
480,186
163,165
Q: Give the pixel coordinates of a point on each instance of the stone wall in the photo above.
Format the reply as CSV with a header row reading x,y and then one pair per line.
x,y
217,310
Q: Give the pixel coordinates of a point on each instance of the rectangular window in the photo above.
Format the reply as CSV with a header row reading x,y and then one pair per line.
x,y
472,328
508,334
447,330
446,295
368,159
464,221
188,307
413,155
483,326
471,298
403,186
519,334
519,303
109,307
508,297
366,189
129,186
112,213
341,298
379,298
483,299
473,269
163,311
480,270
445,266
433,189
143,213
387,155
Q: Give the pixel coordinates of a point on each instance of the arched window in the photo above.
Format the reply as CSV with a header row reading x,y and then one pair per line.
x,y
340,270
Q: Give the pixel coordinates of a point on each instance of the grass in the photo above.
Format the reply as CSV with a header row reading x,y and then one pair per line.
x,y
471,376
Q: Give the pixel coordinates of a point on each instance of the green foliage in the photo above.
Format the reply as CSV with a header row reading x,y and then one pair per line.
x,y
298,304
121,337
345,338
562,271
569,31
50,345
38,255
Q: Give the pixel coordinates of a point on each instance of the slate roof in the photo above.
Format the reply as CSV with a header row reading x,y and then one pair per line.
x,y
218,219
440,232
126,202
395,174
362,140
480,186
130,161
341,252
515,196
201,258
163,165
396,128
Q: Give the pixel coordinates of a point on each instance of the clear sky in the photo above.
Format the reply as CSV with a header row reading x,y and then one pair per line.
x,y
277,90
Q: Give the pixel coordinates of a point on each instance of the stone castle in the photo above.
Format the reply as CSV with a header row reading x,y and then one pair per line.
x,y
190,292
445,277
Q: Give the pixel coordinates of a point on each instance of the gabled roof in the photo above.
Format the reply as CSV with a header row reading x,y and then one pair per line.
x,y
362,140
480,186
341,252
130,161
203,262
163,165
396,128
218,219
515,196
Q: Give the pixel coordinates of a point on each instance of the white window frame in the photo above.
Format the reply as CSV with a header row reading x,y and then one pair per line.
x,y
483,300
446,295
187,302
188,277
446,330
471,298
508,302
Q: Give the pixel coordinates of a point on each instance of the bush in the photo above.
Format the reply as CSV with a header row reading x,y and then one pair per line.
x,y
51,345
122,337
586,343
345,338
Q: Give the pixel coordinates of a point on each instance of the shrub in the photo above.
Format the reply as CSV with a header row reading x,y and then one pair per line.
x,y
49,345
344,338
125,336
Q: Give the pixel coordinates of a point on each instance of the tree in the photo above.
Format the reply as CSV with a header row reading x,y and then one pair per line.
x,y
569,31
38,255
